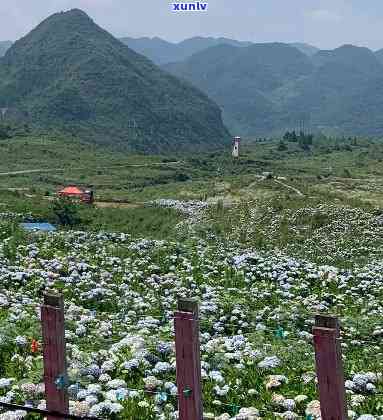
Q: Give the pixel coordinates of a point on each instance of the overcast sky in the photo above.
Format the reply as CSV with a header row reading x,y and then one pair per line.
x,y
324,23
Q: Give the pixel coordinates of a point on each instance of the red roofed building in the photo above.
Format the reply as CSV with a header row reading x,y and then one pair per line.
x,y
74,192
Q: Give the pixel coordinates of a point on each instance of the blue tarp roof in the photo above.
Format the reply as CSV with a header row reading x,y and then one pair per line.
x,y
47,227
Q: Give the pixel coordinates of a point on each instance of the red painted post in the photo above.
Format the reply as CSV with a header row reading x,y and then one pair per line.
x,y
327,321
188,360
54,353
329,368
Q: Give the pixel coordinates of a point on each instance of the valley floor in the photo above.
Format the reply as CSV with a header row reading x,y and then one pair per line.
x,y
261,252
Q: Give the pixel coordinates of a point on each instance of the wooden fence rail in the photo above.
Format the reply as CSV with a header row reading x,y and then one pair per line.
x,y
328,361
54,353
188,363
329,368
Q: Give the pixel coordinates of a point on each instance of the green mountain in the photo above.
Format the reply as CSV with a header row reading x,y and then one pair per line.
x,y
4,46
69,74
340,83
267,88
242,81
162,52
156,49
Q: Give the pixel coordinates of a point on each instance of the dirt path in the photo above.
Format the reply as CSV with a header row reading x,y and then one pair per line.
x,y
260,177
143,165
289,187
114,205
28,171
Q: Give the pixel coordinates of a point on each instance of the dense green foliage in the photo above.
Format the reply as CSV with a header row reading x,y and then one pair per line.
x,y
66,212
304,140
10,130
69,74
269,88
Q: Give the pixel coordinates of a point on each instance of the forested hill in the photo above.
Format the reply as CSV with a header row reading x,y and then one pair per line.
x,y
70,75
268,88
243,81
163,52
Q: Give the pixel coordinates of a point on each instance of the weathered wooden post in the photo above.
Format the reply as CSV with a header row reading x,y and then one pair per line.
x,y
54,353
329,368
188,360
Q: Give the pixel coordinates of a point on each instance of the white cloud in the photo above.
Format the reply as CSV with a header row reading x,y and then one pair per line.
x,y
324,15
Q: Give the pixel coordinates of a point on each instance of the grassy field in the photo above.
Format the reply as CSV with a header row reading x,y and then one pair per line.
x,y
262,253
339,172
57,161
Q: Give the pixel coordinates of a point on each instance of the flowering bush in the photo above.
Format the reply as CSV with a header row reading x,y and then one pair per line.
x,y
256,310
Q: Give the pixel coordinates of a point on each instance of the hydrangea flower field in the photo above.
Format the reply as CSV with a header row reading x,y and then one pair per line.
x,y
256,309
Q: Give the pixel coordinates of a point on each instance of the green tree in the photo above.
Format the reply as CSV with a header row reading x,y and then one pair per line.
x,y
293,136
4,132
282,146
305,140
66,212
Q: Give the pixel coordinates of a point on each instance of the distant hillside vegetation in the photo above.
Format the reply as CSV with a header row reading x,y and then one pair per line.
x,y
4,46
70,75
268,88
164,52
307,49
242,81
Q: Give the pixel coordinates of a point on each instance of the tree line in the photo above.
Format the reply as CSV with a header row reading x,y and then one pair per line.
x,y
304,140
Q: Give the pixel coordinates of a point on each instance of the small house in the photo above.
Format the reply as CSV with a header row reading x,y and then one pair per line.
x,y
85,196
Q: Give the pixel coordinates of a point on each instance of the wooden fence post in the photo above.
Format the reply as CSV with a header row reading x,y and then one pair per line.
x,y
188,360
329,368
54,353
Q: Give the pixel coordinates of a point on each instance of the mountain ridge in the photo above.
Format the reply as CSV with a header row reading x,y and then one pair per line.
x,y
266,89
70,74
165,52
162,52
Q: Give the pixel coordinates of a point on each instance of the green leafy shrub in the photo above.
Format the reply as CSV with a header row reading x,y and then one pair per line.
x,y
66,212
